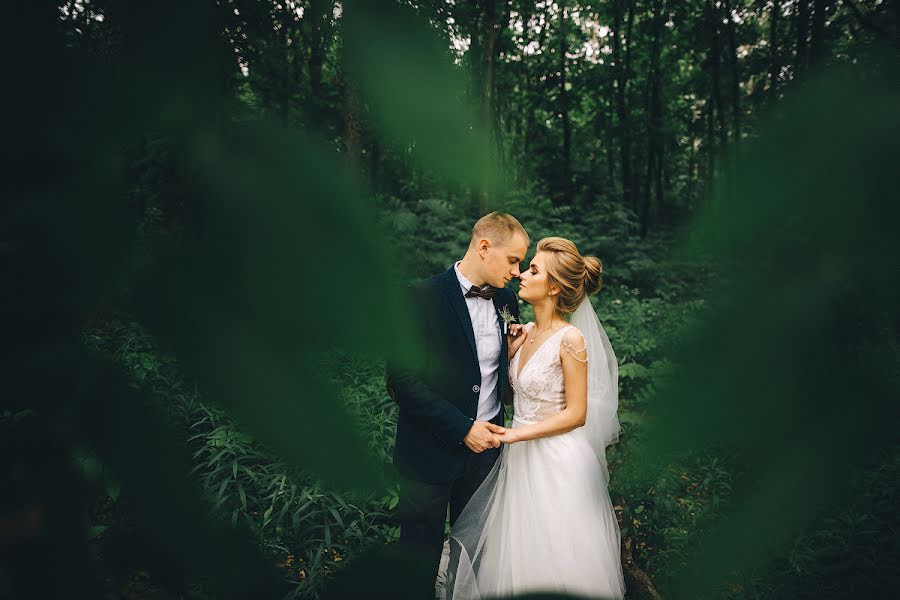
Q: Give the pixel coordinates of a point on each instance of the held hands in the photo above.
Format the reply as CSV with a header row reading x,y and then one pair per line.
x,y
483,435
516,337
508,437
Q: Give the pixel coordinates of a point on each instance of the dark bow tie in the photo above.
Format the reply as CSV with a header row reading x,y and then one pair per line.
x,y
487,292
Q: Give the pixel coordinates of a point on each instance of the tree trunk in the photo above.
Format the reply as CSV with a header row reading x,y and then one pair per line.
x,y
800,61
617,101
499,121
491,30
710,150
637,582
317,51
654,125
607,130
286,82
318,19
622,50
564,106
610,181
475,55
662,180
774,57
817,46
715,60
895,6
692,162
527,116
529,106
735,73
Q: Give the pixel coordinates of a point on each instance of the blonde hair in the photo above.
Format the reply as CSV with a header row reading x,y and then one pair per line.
x,y
575,275
497,227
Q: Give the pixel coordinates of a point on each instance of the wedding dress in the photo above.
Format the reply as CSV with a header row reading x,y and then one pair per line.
x,y
542,521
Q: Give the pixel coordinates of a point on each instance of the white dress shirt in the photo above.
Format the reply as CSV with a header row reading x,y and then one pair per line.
x,y
486,327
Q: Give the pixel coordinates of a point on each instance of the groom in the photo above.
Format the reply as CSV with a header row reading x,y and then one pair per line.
x,y
451,401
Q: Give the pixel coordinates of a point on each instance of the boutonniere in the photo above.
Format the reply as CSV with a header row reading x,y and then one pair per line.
x,y
508,318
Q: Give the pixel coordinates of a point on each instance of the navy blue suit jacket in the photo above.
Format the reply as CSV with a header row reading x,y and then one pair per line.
x,y
438,395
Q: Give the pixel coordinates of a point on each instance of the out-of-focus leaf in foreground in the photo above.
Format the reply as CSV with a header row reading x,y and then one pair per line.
x,y
796,364
284,262
271,266
405,71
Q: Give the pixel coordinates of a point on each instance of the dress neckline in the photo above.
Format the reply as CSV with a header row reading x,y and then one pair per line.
x,y
520,370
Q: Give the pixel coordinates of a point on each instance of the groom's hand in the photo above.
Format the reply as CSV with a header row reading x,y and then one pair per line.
x,y
481,436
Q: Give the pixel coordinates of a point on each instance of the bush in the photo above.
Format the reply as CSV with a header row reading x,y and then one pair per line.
x,y
310,532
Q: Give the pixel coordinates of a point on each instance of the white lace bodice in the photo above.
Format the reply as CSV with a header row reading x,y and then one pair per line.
x,y
539,391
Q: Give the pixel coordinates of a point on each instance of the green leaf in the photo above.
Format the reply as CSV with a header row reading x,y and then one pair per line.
x,y
336,515
222,487
242,495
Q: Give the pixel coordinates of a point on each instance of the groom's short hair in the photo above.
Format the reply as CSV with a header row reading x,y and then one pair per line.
x,y
498,227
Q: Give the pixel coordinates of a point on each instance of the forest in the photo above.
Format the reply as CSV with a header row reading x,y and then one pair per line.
x,y
207,206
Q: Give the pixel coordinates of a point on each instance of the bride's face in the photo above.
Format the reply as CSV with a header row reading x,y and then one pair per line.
x,y
533,285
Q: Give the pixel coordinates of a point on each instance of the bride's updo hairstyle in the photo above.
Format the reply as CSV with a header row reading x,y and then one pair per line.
x,y
575,275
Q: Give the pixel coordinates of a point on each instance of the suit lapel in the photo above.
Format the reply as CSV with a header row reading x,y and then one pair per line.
x,y
455,297
498,306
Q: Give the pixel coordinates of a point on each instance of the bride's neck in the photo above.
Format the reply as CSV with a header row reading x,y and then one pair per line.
x,y
545,314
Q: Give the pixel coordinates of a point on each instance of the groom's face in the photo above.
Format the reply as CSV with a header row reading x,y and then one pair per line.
x,y
501,261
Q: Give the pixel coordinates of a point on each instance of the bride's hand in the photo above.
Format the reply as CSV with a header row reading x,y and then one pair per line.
x,y
507,437
516,337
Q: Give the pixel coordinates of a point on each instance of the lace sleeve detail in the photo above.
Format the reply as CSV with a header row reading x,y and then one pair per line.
x,y
573,343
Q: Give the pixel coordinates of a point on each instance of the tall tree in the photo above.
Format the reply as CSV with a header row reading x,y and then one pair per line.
x,y
654,125
774,52
710,141
817,45
690,124
731,34
563,104
490,32
715,65
317,26
801,59
526,115
622,57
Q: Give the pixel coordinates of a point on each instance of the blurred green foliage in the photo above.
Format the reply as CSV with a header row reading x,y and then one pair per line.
x,y
196,277
795,367
305,528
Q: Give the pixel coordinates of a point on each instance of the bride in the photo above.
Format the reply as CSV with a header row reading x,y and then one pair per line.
x,y
542,521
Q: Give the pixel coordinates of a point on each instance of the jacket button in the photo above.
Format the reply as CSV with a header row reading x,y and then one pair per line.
x,y
476,389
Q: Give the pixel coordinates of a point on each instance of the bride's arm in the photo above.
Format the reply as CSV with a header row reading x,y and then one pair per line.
x,y
572,355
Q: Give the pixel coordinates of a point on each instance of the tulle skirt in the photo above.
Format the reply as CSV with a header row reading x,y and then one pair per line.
x,y
542,521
